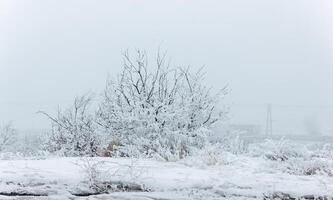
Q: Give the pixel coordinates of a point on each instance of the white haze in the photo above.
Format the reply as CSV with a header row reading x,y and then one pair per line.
x,y
278,52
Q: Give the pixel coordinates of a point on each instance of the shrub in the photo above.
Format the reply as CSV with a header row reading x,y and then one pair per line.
x,y
210,156
278,150
159,111
102,176
234,144
7,136
74,132
308,167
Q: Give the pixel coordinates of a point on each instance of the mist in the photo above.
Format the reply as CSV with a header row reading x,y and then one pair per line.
x,y
178,99
277,53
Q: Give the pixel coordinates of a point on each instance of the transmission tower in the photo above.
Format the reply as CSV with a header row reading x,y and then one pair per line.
x,y
269,121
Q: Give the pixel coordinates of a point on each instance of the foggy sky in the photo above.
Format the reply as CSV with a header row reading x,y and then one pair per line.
x,y
266,51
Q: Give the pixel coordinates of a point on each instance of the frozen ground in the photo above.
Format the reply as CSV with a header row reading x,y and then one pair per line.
x,y
226,177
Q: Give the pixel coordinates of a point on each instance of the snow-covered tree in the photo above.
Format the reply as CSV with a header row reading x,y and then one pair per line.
x,y
157,111
7,136
74,131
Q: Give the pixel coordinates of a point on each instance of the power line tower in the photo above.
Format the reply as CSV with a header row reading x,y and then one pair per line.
x,y
269,121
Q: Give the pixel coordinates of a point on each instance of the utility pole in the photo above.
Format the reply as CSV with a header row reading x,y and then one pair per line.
x,y
269,121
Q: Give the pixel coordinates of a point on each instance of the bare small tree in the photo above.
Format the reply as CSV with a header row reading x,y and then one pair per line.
x,y
159,110
74,130
7,135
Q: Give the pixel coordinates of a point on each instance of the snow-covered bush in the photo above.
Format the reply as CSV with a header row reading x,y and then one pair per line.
x,y
323,151
233,143
74,132
211,155
311,161
93,171
16,144
299,166
157,111
278,150
7,136
169,146
101,176
30,144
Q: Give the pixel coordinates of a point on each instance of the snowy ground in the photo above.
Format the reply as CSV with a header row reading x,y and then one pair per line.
x,y
234,177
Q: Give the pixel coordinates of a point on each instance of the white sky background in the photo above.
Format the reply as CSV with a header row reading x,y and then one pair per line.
x,y
266,51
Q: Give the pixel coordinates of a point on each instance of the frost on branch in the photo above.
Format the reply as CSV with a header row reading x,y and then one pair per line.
x,y
74,132
157,111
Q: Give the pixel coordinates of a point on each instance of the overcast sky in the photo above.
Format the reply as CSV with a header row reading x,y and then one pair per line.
x,y
266,51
